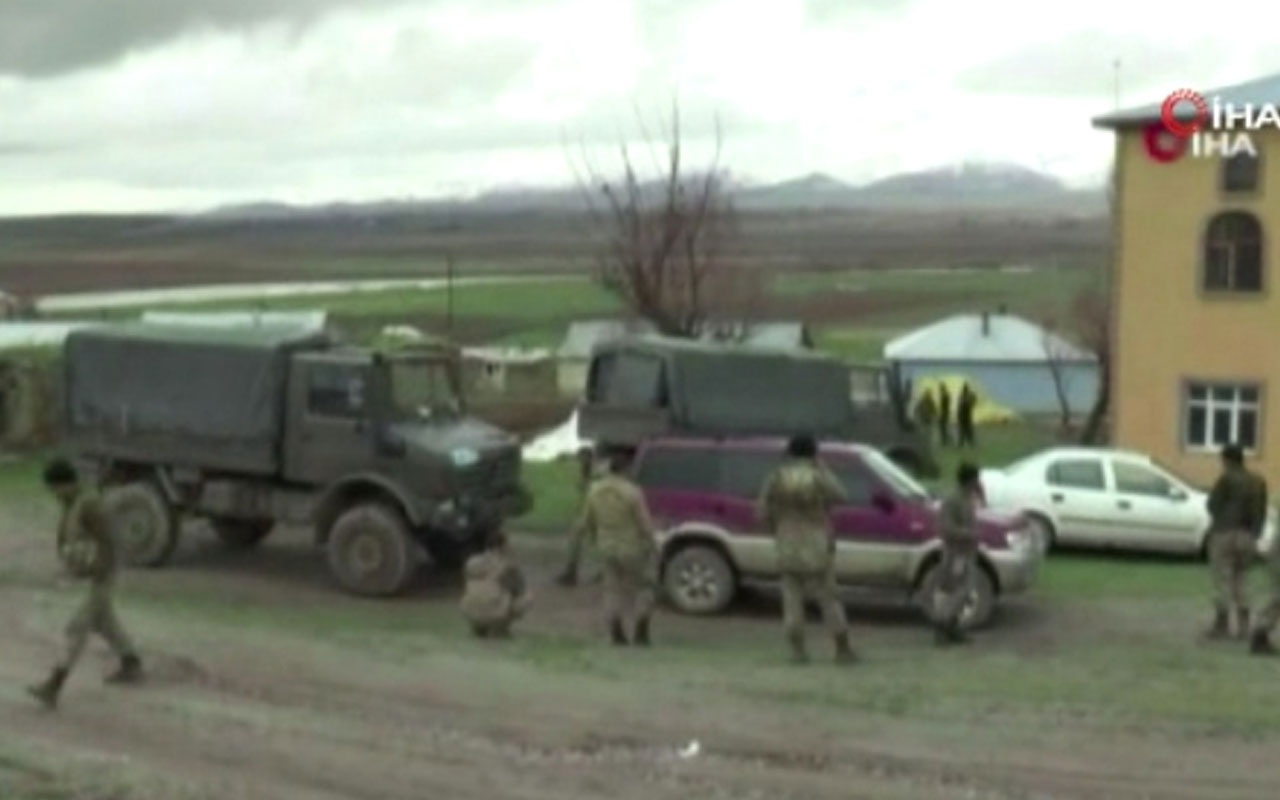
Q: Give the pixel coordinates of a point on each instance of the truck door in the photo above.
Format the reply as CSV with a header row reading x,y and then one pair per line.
x,y
330,421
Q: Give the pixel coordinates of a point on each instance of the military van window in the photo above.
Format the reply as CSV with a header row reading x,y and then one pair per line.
x,y
678,469
744,473
630,380
336,391
1085,473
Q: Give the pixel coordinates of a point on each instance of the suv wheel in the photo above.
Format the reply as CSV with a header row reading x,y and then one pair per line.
x,y
699,580
978,608
371,551
241,534
145,526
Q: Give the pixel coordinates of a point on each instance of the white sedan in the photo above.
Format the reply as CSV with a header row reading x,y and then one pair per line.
x,y
1098,497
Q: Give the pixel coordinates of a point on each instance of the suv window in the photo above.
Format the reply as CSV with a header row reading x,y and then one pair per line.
x,y
1137,479
336,390
745,471
1082,473
854,478
685,469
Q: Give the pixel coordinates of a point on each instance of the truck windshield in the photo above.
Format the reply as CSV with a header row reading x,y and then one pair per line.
x,y
897,478
423,389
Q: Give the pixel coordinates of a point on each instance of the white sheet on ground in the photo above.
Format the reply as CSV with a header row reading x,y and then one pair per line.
x,y
559,442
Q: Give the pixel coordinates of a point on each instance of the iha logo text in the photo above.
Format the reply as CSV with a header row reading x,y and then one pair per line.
x,y
1191,125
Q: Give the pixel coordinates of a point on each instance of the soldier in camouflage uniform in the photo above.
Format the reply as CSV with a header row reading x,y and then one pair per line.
x,y
1260,643
616,521
496,593
1238,507
88,551
795,508
589,468
958,529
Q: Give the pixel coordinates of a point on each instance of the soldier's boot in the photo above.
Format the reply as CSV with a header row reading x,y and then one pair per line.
x,y
844,652
799,653
130,672
48,691
617,634
641,637
1242,623
1260,644
1219,629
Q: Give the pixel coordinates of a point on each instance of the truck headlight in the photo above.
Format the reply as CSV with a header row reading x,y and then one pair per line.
x,y
464,457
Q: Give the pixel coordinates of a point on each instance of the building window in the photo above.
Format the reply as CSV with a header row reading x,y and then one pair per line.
x,y
1240,173
1219,414
1233,253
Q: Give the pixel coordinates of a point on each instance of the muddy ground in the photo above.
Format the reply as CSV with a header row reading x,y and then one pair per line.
x,y
267,684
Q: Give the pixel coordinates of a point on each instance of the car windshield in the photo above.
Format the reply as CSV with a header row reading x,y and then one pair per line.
x,y
897,478
423,389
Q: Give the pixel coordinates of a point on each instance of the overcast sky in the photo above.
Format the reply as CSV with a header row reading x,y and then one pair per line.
x,y
187,104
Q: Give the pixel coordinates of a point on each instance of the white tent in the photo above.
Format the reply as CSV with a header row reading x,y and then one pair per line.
x,y
557,443
16,335
982,337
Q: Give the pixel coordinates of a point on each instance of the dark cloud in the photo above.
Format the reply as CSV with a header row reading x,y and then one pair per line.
x,y
47,38
1082,65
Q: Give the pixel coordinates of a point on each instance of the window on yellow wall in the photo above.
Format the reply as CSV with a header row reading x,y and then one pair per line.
x,y
1219,414
1233,253
1240,173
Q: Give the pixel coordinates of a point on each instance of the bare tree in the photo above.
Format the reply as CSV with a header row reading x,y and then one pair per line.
x,y
1058,355
1091,314
665,240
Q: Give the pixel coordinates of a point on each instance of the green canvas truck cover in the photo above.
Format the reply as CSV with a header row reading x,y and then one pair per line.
x,y
211,398
729,389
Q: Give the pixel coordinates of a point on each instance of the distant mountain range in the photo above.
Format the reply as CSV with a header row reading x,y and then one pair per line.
x,y
976,186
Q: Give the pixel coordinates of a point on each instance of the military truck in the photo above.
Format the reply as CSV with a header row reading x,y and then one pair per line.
x,y
248,428
646,386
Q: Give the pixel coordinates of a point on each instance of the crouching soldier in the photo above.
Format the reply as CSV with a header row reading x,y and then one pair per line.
x,y
88,552
496,594
959,534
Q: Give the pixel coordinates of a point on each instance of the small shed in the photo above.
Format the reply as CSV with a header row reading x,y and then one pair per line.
x,y
1017,363
581,338
509,373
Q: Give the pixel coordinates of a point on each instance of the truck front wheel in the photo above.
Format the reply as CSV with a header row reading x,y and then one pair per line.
x,y
371,551
241,534
145,525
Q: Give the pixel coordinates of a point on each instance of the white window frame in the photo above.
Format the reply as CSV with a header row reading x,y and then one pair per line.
x,y
1211,405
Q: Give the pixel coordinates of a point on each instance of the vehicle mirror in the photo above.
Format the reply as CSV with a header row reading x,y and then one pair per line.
x,y
883,501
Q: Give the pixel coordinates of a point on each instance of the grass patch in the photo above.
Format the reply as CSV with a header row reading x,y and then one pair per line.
x,y
555,496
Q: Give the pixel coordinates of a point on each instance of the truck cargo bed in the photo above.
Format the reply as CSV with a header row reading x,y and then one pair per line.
x,y
208,398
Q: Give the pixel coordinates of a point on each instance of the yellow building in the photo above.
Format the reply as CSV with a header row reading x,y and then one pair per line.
x,y
1196,324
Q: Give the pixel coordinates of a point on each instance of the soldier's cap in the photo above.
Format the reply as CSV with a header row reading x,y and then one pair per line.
x,y
59,472
802,446
1233,453
967,473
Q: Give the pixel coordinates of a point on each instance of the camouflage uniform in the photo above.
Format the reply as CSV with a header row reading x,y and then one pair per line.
x,y
88,552
1270,615
616,520
496,594
958,529
1238,507
795,507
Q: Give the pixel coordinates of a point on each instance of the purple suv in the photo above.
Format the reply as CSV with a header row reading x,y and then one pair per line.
x,y
702,495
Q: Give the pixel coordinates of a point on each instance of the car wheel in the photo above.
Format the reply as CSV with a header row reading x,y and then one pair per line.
x,y
1042,532
978,609
371,551
241,534
145,526
699,580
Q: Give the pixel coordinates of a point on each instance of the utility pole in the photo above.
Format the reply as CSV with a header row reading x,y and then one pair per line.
x,y
448,292
1116,82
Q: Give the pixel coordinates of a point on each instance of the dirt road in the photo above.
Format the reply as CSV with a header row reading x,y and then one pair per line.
x,y
266,684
